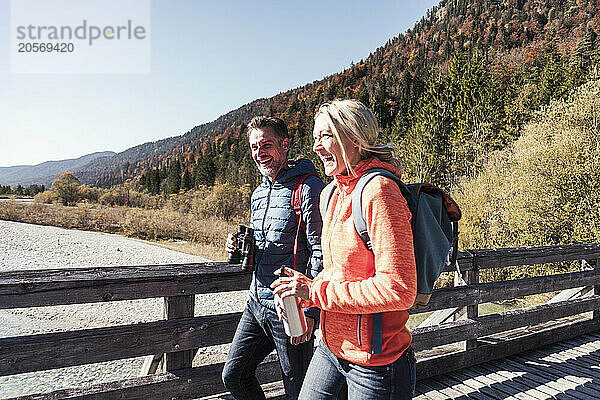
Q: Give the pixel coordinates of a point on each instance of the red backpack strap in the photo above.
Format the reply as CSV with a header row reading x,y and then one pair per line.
x,y
296,205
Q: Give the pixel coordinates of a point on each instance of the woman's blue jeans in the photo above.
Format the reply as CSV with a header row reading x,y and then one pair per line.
x,y
330,377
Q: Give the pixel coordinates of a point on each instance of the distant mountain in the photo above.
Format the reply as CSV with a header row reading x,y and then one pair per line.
x,y
116,169
46,172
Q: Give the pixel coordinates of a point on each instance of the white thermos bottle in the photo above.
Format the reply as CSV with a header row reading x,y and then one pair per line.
x,y
294,321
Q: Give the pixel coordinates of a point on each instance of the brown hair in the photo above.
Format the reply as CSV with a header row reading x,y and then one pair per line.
x,y
264,121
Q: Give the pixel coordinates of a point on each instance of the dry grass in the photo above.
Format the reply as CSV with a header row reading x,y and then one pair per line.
x,y
210,251
201,218
206,236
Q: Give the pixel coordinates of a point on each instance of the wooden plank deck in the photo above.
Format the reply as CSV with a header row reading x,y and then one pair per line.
x,y
566,370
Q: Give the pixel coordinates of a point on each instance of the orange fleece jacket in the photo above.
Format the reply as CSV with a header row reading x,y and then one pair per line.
x,y
355,282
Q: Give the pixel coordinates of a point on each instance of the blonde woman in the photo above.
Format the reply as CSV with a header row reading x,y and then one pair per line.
x,y
357,283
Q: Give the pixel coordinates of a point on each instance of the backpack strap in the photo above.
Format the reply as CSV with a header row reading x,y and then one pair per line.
x,y
326,197
359,221
377,343
297,206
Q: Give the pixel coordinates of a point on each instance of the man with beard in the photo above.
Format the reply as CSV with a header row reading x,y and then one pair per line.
x,y
275,232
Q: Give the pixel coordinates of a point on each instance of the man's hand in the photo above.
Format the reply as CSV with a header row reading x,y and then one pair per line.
x,y
310,326
279,308
230,243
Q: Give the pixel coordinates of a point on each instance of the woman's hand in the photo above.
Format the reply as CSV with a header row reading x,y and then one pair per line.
x,y
297,284
310,326
293,283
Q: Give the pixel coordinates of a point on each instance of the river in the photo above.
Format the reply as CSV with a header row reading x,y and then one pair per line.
x,y
27,247
25,201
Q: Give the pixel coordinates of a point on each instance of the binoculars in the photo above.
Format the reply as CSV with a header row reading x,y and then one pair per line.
x,y
244,248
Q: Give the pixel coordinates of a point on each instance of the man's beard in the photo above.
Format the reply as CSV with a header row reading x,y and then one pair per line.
x,y
272,169
269,171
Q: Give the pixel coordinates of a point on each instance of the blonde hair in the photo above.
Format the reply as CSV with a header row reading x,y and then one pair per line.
x,y
352,120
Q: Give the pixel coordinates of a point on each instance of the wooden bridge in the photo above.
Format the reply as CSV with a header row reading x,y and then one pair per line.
x,y
550,350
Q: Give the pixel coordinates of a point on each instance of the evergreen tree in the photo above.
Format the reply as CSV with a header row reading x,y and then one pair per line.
x,y
585,56
206,172
458,121
156,182
145,179
553,84
425,147
186,182
174,178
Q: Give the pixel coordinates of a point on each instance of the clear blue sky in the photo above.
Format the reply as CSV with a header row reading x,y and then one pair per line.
x,y
208,58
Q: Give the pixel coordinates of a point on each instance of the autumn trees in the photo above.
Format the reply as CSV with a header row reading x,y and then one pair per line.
x,y
66,188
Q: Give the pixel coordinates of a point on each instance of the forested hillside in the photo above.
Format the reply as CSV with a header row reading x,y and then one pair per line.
x,y
543,188
458,85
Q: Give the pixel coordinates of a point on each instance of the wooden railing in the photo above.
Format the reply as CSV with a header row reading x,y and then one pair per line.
x,y
455,320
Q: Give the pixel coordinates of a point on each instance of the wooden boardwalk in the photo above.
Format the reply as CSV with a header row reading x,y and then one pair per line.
x,y
566,370
457,341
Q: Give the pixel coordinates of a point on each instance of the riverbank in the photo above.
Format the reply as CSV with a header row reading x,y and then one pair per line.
x,y
26,246
206,236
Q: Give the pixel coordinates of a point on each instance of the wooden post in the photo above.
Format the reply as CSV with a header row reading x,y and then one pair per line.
x,y
471,312
472,278
459,280
178,307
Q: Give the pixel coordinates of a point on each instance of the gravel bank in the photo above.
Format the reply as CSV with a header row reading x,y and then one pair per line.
x,y
26,247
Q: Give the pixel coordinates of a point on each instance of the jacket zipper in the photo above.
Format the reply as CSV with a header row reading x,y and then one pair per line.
x,y
358,329
265,240
266,211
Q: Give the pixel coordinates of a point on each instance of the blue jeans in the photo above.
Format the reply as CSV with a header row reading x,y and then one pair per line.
x,y
258,333
330,377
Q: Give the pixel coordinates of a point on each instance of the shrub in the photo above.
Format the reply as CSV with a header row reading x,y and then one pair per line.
x,y
124,196
47,197
543,189
226,202
189,202
145,200
173,225
223,201
89,193
66,187
108,198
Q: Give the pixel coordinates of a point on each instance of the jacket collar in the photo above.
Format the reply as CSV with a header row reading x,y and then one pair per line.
x,y
295,168
346,183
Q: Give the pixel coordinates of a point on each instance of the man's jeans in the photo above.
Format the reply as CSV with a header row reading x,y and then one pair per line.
x,y
330,377
258,333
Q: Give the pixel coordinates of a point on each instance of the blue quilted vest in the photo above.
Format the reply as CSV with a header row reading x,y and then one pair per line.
x,y
274,223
